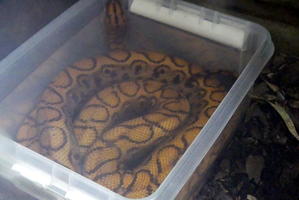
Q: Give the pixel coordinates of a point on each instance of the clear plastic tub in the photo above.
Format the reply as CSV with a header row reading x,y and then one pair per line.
x,y
228,43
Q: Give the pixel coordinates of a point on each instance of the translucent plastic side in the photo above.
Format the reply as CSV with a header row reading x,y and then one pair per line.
x,y
44,43
212,130
45,179
207,165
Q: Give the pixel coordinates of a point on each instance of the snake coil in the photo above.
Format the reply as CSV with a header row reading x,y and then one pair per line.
x,y
122,119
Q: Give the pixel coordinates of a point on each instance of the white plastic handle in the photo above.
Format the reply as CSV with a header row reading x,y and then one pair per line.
x,y
189,21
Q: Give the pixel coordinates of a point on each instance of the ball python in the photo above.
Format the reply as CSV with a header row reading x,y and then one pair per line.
x,y
122,119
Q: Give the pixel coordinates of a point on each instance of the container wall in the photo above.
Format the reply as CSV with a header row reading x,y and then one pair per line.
x,y
204,170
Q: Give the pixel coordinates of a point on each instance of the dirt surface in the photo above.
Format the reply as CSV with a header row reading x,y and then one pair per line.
x,y
262,161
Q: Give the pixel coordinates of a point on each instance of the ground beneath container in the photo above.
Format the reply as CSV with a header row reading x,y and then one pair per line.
x,y
262,160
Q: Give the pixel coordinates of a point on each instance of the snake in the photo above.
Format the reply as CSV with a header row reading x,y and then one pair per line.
x,y
124,118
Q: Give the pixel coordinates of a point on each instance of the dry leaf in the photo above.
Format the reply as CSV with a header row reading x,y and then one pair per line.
x,y
254,167
250,197
273,87
283,114
286,118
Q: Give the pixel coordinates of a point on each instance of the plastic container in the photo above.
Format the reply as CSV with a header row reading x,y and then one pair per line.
x,y
245,48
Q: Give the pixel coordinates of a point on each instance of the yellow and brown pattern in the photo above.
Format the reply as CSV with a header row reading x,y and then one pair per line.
x,y
125,118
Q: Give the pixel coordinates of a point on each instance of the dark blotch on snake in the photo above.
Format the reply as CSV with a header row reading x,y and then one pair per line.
x,y
135,157
134,109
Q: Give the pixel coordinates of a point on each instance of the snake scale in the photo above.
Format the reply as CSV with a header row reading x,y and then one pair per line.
x,y
122,119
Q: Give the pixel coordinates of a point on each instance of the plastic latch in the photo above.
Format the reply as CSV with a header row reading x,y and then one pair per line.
x,y
171,4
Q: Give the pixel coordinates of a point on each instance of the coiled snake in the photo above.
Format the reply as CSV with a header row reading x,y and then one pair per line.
x,y
125,118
